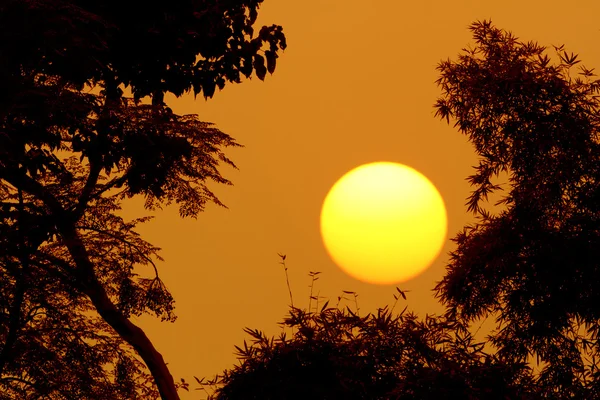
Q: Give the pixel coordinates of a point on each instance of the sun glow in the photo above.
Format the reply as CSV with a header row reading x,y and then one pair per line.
x,y
383,223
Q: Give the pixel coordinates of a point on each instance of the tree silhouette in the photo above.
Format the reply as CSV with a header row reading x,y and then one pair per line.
x,y
535,265
337,354
72,147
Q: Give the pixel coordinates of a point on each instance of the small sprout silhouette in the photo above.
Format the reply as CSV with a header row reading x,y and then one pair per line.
x,y
287,278
314,278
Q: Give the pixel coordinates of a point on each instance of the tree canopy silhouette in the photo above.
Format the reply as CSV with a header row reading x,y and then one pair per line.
x,y
535,265
73,146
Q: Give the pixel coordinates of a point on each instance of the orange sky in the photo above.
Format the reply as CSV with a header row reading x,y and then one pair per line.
x,y
355,85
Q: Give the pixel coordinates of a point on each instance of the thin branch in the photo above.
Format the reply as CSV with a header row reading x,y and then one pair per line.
x,y
14,324
287,279
140,252
86,193
36,189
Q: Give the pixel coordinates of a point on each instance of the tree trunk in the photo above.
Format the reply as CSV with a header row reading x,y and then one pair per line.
x,y
128,331
136,337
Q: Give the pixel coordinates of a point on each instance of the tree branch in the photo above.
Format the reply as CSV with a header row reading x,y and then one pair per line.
x,y
86,193
34,188
124,241
14,323
112,93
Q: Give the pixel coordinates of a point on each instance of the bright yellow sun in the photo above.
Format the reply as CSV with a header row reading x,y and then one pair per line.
x,y
383,223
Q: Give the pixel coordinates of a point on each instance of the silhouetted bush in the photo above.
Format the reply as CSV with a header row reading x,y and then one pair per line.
x,y
336,354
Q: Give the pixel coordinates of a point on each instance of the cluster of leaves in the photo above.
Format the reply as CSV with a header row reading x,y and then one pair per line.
x,y
144,149
535,265
177,46
337,354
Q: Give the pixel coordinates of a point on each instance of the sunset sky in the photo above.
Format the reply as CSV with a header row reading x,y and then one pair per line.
x,y
356,85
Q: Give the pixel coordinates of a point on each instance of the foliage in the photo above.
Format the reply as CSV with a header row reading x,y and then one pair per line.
x,y
152,47
73,146
337,354
534,265
53,343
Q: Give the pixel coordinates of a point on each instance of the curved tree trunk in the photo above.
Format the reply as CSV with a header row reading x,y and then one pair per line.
x,y
130,332
136,337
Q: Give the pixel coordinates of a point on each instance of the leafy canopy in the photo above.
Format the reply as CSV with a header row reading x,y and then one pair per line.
x,y
534,265
73,146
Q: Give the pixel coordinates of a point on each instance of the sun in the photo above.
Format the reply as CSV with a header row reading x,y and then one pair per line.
x,y
383,223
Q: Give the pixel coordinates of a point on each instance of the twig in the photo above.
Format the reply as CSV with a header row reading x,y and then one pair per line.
x,y
314,277
287,279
